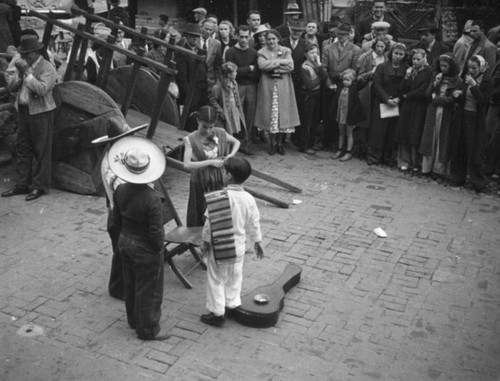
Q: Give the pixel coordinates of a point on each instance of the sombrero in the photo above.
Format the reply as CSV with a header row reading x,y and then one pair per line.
x,y
116,129
136,160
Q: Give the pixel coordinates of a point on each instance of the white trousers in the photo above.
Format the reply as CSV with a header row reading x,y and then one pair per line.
x,y
223,291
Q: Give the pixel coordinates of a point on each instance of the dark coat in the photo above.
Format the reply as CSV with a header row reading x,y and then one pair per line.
x,y
449,104
413,108
482,95
186,73
437,49
298,58
387,84
137,214
355,112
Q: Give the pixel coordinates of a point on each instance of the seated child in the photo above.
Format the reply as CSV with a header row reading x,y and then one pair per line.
x,y
232,214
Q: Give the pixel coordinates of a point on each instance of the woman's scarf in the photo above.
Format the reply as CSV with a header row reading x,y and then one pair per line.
x,y
415,71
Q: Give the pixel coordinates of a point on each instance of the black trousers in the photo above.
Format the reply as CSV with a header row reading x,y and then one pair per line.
x,y
34,144
143,278
116,287
309,117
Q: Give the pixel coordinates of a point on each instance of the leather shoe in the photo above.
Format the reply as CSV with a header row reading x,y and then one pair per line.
x,y
213,319
14,191
246,151
34,194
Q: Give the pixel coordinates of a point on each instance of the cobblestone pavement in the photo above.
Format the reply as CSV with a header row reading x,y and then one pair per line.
x,y
421,304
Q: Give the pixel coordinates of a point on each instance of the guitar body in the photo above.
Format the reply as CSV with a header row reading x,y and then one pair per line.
x,y
266,315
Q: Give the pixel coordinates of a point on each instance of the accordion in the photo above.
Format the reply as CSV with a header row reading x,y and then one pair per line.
x,y
221,226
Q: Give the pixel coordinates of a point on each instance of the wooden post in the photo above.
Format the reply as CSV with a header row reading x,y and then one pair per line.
x,y
190,93
132,81
77,40
47,32
107,58
161,92
83,51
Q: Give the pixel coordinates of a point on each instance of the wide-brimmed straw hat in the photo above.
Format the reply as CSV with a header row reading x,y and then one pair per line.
x,y
29,43
136,160
261,29
117,128
10,52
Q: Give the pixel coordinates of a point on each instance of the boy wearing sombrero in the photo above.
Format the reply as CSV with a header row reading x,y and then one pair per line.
x,y
34,81
137,216
116,128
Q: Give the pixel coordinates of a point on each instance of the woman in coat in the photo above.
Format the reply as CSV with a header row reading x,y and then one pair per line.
x,y
412,112
276,105
442,93
387,81
469,135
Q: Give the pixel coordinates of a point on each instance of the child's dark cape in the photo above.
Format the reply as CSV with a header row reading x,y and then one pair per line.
x,y
221,226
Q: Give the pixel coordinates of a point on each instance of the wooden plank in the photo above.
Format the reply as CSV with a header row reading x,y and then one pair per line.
x,y
133,32
276,181
77,41
167,136
83,52
179,165
129,93
190,95
73,179
146,61
86,97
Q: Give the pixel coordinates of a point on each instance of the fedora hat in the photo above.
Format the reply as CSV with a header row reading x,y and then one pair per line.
x,y
192,29
292,9
117,128
136,160
29,43
297,25
428,25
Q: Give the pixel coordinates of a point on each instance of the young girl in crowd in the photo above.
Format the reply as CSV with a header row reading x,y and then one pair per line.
x,y
412,112
226,37
224,98
470,127
387,81
349,112
443,94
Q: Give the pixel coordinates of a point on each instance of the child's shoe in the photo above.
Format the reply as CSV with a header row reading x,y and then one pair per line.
x,y
347,156
213,319
337,155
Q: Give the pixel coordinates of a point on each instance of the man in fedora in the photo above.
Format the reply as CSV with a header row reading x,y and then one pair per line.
x,y
116,129
434,48
35,80
188,76
291,13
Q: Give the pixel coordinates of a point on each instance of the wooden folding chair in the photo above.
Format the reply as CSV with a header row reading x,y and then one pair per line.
x,y
180,239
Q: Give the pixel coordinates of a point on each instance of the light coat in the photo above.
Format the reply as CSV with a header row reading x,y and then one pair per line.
x,y
335,61
40,85
288,114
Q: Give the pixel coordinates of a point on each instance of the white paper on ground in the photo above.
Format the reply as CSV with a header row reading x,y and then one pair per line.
x,y
380,232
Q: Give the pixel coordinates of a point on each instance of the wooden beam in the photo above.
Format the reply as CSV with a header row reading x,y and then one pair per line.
x,y
77,11
145,61
129,93
276,181
179,165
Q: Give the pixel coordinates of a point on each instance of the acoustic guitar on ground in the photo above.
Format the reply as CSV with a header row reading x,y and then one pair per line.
x,y
261,307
